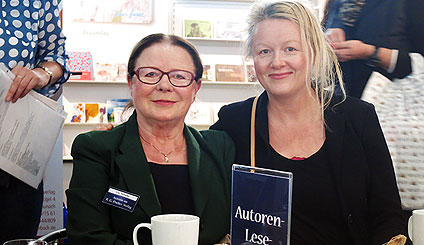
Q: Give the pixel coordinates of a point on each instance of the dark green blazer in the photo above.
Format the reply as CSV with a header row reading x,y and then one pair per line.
x,y
115,158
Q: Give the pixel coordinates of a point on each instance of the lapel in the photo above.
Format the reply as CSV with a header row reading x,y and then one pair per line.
x,y
199,171
335,131
135,170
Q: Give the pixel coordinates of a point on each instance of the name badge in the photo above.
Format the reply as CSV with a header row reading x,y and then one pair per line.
x,y
121,199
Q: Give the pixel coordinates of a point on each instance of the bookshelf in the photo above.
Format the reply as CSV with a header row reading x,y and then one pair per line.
x,y
212,50
90,91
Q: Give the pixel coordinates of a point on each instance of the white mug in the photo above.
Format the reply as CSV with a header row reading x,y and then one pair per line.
x,y
416,227
176,229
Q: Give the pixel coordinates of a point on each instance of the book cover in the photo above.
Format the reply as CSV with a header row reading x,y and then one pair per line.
x,y
110,72
95,112
121,72
81,65
230,30
112,11
115,109
229,73
251,74
199,113
76,112
207,73
104,72
197,29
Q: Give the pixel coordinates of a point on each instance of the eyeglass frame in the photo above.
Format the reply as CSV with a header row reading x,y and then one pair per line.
x,y
137,71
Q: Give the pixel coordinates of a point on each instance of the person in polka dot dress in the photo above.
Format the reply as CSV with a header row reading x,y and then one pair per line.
x,y
32,46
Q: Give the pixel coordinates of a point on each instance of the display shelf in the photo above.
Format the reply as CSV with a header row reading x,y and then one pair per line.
x,y
230,83
95,82
199,39
92,82
83,124
212,1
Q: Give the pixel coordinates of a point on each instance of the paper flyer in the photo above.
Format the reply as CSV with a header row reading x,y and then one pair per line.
x,y
29,129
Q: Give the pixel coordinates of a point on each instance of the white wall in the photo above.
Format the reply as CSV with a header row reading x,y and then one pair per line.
x,y
110,42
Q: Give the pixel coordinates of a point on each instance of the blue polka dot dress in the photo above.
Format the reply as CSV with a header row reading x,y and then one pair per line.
x,y
30,34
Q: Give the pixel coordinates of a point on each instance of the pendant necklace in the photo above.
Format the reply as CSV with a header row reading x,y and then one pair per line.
x,y
165,155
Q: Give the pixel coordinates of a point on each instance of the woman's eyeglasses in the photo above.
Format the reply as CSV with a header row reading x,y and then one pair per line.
x,y
152,75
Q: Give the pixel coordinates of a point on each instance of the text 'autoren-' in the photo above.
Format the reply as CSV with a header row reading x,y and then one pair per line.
x,y
265,219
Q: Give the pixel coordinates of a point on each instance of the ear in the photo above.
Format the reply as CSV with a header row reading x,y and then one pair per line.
x,y
197,85
130,83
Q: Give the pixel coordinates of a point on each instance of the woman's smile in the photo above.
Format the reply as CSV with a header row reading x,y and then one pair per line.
x,y
280,75
164,102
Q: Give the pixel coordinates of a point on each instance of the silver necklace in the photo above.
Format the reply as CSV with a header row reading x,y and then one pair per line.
x,y
165,155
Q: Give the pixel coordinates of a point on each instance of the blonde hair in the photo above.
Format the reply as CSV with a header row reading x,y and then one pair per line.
x,y
322,64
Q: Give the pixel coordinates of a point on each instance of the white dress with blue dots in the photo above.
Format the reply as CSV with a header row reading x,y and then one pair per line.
x,y
30,34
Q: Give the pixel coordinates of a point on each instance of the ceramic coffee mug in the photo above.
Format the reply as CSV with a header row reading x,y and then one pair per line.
x,y
176,229
416,227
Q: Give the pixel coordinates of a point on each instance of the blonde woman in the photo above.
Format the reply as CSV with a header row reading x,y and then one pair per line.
x,y
344,189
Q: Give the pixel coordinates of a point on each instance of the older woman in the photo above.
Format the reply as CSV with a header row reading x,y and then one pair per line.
x,y
171,167
344,189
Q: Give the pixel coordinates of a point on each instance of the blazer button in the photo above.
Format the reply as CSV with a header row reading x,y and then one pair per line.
x,y
349,219
201,227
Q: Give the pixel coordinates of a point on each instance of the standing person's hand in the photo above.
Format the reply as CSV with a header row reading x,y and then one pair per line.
x,y
334,35
352,50
26,80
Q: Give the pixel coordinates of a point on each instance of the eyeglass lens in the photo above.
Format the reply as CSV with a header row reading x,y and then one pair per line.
x,y
178,78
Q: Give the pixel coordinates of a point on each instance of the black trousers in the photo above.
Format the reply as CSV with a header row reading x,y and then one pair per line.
x,y
20,210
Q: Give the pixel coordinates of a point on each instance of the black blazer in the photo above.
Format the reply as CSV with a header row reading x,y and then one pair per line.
x,y
359,158
115,158
415,25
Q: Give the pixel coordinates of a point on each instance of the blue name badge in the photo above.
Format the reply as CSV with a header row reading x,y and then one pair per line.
x,y
121,199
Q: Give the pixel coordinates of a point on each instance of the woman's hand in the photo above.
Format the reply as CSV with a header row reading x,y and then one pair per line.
x,y
335,35
352,50
26,80
103,127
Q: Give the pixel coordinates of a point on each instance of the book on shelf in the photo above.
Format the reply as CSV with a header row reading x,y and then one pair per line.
x,y
250,73
110,72
115,109
76,112
199,113
82,112
228,30
95,113
229,73
197,29
207,73
81,65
